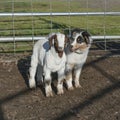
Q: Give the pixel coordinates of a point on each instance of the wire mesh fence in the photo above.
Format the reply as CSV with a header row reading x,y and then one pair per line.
x,y
24,21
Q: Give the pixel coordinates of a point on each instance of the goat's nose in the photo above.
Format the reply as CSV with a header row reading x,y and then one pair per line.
x,y
60,48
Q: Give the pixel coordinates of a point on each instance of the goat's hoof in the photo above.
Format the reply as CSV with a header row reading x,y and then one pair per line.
x,y
60,92
49,94
32,84
71,88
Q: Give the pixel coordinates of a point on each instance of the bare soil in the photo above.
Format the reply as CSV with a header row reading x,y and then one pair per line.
x,y
98,99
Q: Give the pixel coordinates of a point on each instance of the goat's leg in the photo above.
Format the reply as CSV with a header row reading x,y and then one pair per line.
x,y
61,77
32,72
48,88
69,78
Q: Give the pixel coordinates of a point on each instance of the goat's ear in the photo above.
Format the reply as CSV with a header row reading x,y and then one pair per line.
x,y
67,40
51,39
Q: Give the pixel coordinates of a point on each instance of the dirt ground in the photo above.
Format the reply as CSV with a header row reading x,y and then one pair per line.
x,y
98,99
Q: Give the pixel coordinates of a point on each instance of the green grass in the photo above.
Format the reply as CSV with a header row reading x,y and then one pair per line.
x,y
23,26
41,26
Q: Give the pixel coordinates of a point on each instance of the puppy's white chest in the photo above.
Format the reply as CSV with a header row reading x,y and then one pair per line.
x,y
74,58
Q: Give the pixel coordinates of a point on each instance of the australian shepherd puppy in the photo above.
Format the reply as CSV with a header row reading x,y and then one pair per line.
x,y
76,52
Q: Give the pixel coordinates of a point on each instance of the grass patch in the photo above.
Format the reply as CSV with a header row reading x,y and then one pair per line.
x,y
41,26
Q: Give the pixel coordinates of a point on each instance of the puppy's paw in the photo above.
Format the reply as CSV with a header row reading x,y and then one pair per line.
x,y
78,86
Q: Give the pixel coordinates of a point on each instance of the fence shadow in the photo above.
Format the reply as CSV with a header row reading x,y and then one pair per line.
x,y
112,45
9,98
115,85
1,113
68,114
23,66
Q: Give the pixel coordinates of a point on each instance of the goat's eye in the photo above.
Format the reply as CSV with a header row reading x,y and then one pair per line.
x,y
55,42
79,39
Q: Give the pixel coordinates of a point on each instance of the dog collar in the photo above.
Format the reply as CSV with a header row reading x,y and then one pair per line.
x,y
78,52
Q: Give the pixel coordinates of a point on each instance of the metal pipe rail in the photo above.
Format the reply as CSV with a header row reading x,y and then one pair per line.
x,y
14,38
17,39
60,14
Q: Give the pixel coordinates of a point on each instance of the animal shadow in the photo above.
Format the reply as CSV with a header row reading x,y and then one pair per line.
x,y
23,67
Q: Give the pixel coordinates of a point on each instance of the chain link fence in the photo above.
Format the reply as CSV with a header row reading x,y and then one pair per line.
x,y
22,22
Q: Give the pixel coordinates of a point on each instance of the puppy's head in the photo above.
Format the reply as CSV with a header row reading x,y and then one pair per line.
x,y
80,40
58,41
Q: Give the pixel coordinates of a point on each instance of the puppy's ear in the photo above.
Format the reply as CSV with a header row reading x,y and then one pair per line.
x,y
74,34
51,39
86,36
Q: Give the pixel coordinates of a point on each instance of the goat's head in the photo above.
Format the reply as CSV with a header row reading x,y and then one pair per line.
x,y
58,41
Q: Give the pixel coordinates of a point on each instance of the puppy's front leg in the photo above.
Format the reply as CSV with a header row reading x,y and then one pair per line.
x,y
69,80
69,77
48,88
77,73
61,77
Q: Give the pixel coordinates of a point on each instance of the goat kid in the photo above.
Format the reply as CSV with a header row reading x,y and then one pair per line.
x,y
49,54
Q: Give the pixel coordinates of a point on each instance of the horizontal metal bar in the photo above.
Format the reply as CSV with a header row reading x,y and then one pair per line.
x,y
60,14
11,39
105,37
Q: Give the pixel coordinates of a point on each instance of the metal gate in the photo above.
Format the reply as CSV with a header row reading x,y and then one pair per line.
x,y
29,20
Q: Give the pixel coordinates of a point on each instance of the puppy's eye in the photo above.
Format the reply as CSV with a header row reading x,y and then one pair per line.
x,y
79,39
